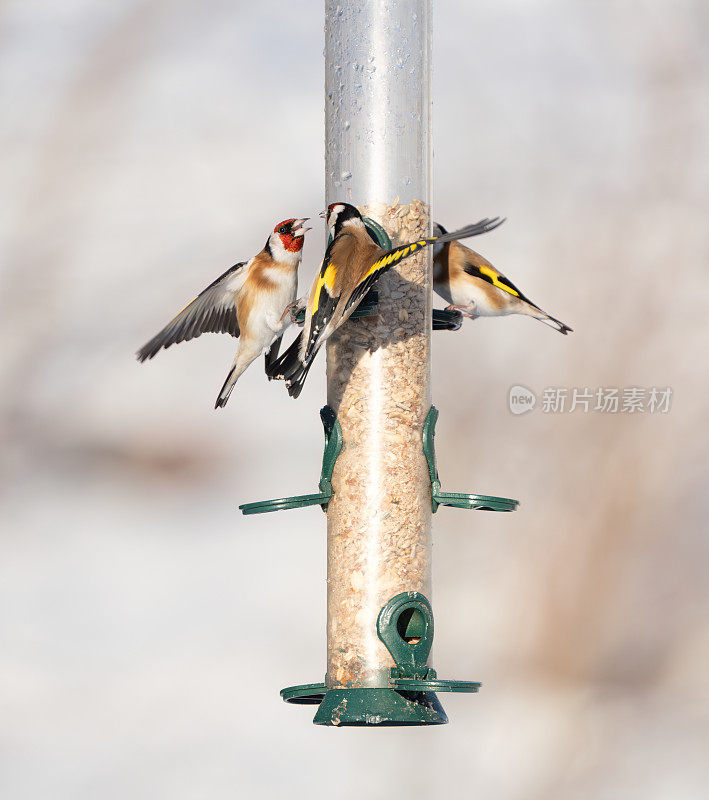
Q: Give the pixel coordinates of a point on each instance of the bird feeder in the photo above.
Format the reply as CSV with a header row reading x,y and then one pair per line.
x,y
379,484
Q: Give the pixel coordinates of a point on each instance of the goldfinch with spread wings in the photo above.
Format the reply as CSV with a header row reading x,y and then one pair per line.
x,y
474,287
251,301
352,263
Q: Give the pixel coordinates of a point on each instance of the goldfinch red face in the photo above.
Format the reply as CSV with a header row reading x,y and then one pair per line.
x,y
291,232
288,237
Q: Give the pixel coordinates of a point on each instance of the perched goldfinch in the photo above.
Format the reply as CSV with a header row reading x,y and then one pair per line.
x,y
352,263
474,287
251,301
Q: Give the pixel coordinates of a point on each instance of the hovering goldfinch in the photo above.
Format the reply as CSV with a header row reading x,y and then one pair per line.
x,y
251,301
474,287
352,263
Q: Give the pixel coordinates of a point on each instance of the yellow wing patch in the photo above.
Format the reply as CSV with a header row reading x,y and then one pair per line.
x,y
327,279
495,280
394,256
377,266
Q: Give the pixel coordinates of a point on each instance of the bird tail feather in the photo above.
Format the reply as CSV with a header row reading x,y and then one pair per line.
x,y
295,381
483,226
227,388
291,368
552,322
272,356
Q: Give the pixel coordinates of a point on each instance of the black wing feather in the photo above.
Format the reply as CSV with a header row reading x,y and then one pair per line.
x,y
209,312
397,254
500,281
271,356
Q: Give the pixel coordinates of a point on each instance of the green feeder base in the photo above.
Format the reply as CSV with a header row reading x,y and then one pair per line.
x,y
410,698
383,707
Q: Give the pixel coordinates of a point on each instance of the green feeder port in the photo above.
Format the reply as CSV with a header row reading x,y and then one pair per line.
x,y
405,627
333,446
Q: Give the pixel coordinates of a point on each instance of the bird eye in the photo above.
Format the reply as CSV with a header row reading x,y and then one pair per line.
x,y
282,229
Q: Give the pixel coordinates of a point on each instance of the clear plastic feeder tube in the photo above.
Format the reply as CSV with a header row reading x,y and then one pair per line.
x,y
378,157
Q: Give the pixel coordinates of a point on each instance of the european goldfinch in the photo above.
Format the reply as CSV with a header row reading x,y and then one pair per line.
x,y
352,263
474,287
251,301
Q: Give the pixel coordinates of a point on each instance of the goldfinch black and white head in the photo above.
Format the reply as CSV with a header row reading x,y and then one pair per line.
x,y
341,215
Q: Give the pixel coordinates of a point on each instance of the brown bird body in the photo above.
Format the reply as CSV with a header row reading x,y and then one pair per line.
x,y
472,285
355,249
249,301
352,264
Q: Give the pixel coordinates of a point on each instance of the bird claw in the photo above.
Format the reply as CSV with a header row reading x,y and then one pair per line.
x,y
292,309
464,311
295,309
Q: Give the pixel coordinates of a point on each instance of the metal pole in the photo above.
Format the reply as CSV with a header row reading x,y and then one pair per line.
x,y
378,157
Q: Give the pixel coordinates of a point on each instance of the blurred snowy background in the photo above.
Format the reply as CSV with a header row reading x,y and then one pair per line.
x,y
145,625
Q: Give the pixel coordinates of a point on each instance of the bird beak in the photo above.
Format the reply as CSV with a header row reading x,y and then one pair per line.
x,y
323,214
299,229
